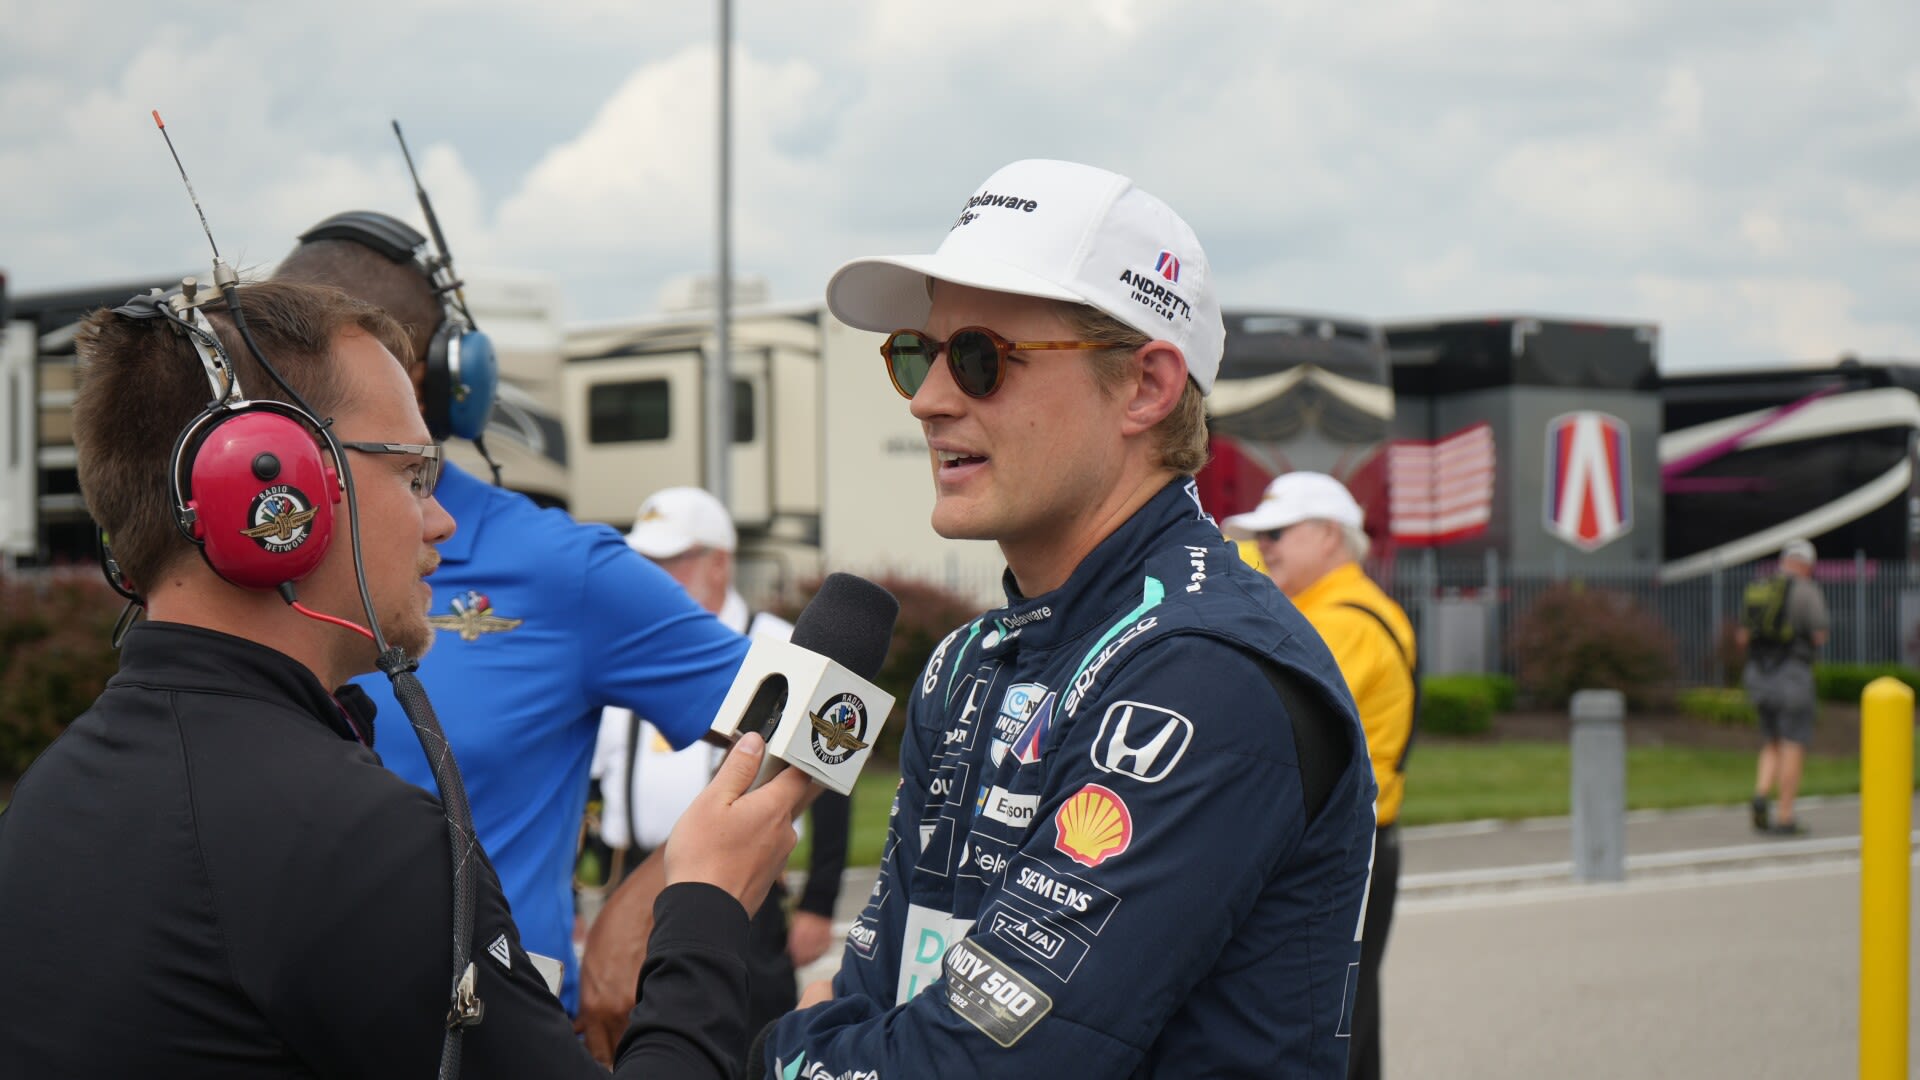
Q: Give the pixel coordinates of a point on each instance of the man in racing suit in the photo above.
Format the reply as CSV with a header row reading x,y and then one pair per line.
x,y
1135,818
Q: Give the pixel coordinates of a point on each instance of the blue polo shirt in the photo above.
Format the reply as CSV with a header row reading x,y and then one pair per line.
x,y
540,622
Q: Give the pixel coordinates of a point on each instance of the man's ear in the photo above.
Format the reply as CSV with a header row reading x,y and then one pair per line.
x,y
1158,383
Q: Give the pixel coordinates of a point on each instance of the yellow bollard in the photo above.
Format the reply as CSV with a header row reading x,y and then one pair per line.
x,y
1886,823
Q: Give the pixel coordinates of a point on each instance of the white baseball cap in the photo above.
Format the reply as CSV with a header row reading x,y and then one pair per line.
x,y
1294,498
1062,231
676,520
1798,549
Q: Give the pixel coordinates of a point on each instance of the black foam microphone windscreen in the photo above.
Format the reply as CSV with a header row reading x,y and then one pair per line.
x,y
849,621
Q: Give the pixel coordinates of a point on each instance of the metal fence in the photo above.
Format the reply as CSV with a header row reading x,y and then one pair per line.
x,y
1465,615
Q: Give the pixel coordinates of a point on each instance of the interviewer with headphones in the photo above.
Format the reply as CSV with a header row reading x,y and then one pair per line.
x,y
210,874
540,622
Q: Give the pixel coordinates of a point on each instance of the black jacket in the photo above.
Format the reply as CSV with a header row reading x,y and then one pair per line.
x,y
209,874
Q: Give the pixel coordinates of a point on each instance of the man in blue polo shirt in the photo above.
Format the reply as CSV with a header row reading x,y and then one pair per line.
x,y
540,623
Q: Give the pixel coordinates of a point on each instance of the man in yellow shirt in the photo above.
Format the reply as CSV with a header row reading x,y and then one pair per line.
x,y
1309,534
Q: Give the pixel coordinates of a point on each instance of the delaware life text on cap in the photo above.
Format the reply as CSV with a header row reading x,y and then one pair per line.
x,y
1061,231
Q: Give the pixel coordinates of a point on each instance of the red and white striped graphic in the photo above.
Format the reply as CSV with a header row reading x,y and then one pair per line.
x,y
1441,492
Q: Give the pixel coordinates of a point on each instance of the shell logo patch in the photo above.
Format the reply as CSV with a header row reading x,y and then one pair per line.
x,y
1092,826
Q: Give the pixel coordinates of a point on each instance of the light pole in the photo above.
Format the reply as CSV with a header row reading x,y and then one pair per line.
x,y
719,365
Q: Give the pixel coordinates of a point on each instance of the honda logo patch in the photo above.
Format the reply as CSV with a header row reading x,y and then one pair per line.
x,y
1140,740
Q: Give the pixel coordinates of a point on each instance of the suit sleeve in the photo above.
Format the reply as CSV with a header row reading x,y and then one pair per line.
x,y
650,647
1164,809
870,961
691,1020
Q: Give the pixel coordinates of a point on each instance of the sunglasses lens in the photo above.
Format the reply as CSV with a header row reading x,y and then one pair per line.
x,y
910,357
976,362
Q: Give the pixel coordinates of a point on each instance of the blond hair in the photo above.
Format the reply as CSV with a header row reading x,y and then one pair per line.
x,y
1180,439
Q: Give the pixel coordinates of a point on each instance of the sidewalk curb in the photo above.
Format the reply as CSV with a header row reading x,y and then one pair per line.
x,y
1479,826
1639,867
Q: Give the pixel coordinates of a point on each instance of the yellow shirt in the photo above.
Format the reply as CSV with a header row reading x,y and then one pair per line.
x,y
1377,669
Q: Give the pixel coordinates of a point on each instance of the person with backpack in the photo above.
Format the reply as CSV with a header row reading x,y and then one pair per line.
x,y
1308,529
1783,625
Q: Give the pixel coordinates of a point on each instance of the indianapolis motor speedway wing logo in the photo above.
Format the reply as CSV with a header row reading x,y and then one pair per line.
x,y
839,729
472,616
280,519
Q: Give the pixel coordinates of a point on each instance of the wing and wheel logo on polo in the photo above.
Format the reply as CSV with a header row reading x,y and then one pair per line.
x,y
280,519
839,729
472,616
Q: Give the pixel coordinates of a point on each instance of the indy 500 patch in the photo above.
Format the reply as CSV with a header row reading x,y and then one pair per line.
x,y
992,996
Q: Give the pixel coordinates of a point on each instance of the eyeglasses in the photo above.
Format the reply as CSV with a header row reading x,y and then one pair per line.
x,y
429,478
976,355
1271,536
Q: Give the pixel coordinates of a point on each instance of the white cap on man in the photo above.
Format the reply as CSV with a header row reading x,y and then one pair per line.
x,y
1798,549
1296,497
674,521
1061,231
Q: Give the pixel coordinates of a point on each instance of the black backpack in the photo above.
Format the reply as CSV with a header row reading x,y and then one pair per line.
x,y
1765,614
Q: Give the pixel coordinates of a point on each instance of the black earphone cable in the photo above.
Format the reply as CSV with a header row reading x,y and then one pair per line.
x,y
465,1008
480,444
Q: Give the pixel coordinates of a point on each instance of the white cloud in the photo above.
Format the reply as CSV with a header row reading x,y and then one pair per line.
x,y
1787,317
1743,171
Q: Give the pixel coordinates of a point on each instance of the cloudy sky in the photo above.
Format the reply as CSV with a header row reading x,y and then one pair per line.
x,y
1744,172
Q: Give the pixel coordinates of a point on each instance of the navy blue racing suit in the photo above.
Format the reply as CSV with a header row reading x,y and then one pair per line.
x,y
1132,837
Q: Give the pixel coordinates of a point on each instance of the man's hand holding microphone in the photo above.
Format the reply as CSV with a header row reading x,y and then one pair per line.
x,y
813,700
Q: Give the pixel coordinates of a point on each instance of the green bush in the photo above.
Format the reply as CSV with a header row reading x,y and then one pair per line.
x,y
1456,704
927,614
1498,689
1501,691
56,655
1577,638
1720,704
1844,682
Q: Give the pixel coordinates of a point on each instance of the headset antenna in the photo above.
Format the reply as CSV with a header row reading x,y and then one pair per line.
x,y
204,227
433,226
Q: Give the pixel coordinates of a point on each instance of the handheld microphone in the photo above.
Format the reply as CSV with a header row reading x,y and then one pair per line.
x,y
812,696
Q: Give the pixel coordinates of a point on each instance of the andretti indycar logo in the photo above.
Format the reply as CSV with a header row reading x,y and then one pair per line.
x,y
1589,496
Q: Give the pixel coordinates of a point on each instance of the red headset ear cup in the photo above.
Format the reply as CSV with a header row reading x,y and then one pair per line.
x,y
263,496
